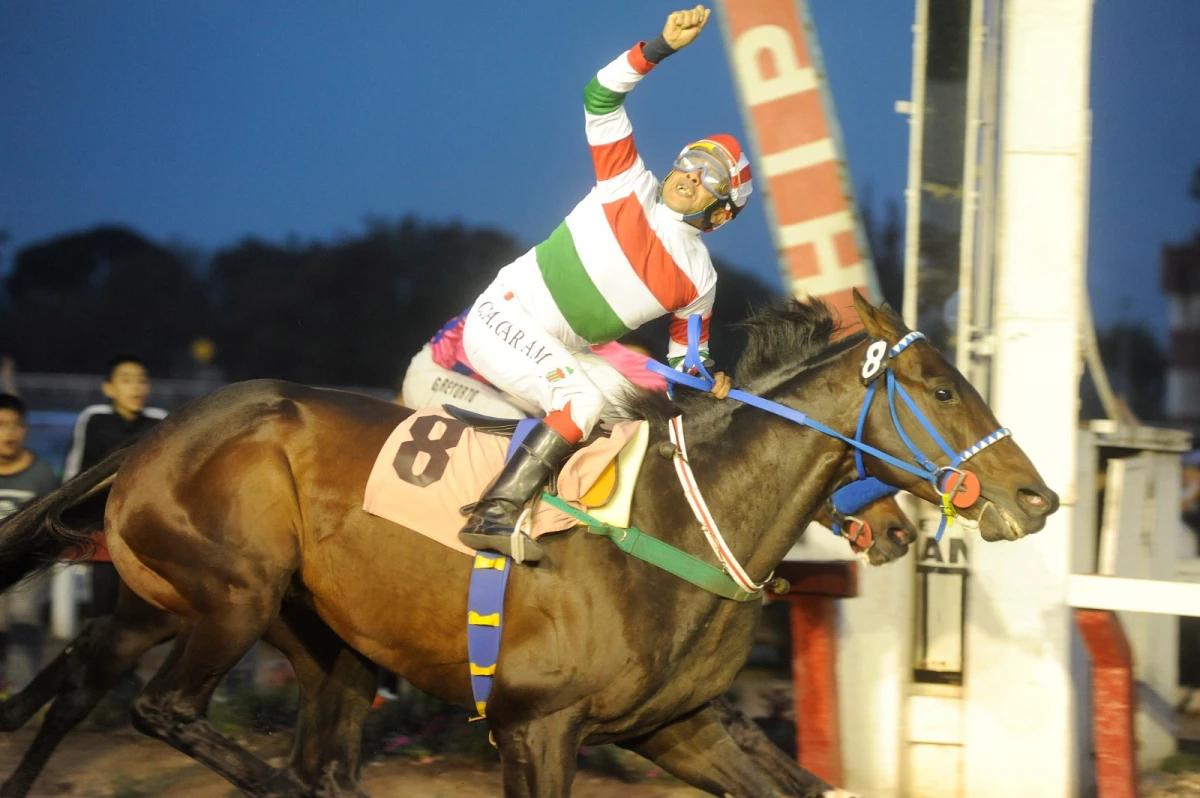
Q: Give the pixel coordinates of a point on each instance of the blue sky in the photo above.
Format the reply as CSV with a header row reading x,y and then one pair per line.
x,y
208,122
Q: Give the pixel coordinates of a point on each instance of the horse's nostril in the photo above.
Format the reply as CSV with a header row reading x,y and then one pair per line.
x,y
898,534
1035,503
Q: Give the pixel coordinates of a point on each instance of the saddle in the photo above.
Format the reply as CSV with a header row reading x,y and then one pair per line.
x,y
426,471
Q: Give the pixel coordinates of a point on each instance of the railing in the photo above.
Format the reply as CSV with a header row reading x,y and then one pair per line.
x,y
1127,586
75,391
54,401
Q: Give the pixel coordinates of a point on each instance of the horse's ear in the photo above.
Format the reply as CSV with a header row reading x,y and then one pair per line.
x,y
899,328
870,316
882,323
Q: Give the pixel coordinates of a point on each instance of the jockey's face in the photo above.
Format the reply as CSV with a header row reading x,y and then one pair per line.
x,y
684,193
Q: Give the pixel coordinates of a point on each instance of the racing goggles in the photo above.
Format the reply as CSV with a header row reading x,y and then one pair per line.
x,y
714,174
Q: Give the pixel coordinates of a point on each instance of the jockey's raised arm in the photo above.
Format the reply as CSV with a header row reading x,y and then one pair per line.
x,y
629,252
609,132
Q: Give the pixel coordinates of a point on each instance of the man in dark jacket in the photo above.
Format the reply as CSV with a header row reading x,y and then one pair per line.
x,y
100,430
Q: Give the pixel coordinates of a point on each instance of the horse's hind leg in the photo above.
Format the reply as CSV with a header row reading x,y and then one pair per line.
x,y
16,710
92,664
337,686
697,749
173,706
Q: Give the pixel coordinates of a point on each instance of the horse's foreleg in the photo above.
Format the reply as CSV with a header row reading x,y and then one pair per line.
x,y
751,739
699,750
538,757
337,685
105,651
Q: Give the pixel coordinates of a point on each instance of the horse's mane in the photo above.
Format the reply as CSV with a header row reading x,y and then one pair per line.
x,y
783,338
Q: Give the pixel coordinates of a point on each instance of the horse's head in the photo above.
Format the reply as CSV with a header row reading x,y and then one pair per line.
x,y
881,529
1001,490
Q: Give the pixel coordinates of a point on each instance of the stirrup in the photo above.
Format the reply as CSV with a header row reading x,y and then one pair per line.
x,y
516,544
522,547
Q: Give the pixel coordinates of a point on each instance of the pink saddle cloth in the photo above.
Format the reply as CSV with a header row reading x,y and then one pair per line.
x,y
432,465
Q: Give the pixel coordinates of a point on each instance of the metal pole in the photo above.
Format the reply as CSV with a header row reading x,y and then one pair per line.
x,y
981,364
912,194
964,348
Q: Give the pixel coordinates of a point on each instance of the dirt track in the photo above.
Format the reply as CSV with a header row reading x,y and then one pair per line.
x,y
126,764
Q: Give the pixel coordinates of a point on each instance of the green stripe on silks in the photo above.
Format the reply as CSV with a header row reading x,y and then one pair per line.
x,y
577,297
660,554
599,100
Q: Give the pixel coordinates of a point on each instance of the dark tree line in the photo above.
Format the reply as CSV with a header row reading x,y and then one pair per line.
x,y
349,312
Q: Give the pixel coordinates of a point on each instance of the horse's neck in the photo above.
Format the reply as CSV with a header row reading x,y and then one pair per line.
x,y
765,478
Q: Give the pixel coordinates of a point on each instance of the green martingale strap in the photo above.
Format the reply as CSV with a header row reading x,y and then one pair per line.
x,y
650,549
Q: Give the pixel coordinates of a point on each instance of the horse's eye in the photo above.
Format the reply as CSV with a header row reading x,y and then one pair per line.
x,y
943,394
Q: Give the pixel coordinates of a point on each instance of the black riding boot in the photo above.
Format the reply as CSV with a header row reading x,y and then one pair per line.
x,y
490,524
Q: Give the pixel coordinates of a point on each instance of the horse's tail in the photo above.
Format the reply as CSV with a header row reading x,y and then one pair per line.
x,y
33,538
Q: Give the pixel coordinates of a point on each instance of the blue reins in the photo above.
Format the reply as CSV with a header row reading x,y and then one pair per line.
x,y
866,489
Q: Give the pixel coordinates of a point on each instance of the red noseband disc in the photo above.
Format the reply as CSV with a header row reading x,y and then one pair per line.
x,y
967,491
859,535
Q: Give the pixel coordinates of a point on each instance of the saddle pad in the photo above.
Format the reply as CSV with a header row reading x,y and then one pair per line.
x,y
432,465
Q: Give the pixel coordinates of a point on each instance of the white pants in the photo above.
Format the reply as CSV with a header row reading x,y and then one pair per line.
x,y
427,384
511,351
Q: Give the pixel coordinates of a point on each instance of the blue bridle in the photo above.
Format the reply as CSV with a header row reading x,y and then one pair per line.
x,y
946,480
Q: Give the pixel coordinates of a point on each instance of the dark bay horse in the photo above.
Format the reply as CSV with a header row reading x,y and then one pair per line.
x,y
336,684
248,502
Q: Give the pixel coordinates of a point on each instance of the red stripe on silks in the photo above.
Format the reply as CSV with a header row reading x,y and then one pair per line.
x,y
650,260
614,158
561,422
679,330
637,59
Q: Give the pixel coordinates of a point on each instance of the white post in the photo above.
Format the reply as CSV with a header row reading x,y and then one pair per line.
x,y
874,667
64,623
874,664
1019,718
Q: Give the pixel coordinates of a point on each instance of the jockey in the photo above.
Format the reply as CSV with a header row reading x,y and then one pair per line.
x,y
628,253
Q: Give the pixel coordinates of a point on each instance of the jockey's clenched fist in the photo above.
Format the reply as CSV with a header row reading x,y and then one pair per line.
x,y
683,27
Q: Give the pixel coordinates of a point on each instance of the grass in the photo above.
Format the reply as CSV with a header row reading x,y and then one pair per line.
x,y
1180,763
267,709
416,726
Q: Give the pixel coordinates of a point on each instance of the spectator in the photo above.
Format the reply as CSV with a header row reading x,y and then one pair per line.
x,y
23,477
99,431
8,376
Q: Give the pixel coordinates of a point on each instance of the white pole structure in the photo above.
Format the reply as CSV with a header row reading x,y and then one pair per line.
x,y
1020,703
915,108
64,621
